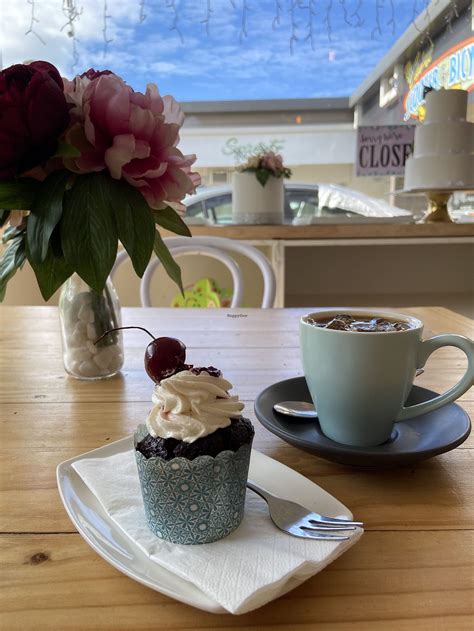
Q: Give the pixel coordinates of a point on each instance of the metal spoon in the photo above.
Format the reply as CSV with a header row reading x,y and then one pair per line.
x,y
299,409
304,409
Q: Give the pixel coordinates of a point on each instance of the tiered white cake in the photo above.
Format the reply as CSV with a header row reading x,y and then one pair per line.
x,y
254,203
443,157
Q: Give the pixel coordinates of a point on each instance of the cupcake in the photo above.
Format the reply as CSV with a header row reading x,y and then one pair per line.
x,y
193,453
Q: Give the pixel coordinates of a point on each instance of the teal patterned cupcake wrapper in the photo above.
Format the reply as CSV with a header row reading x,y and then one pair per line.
x,y
193,501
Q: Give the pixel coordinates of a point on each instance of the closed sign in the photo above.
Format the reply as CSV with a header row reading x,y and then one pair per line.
x,y
384,150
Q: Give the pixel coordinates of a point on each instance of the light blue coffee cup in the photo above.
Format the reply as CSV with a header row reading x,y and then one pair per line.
x,y
359,382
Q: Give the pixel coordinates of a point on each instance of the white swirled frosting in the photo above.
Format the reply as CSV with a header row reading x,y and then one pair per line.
x,y
189,406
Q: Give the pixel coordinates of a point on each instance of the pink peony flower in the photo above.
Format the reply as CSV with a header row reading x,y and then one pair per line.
x,y
273,162
133,135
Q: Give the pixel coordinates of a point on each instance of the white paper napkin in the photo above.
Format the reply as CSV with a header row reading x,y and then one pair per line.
x,y
243,571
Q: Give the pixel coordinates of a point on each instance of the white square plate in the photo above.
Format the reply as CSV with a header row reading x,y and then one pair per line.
x,y
111,543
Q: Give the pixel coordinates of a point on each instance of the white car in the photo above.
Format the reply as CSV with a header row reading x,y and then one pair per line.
x,y
304,204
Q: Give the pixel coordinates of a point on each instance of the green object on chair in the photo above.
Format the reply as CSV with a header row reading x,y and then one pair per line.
x,y
205,293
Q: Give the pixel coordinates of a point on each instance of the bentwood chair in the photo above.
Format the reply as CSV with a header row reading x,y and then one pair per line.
x,y
217,248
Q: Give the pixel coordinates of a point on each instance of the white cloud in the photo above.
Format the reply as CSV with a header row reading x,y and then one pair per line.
x,y
205,67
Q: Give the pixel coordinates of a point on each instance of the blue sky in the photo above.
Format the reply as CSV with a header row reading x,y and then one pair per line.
x,y
220,49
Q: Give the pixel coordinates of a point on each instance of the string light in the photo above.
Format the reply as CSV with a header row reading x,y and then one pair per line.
x,y
107,40
312,14
294,27
391,21
243,23
278,11
356,15
31,30
453,11
142,16
428,19
207,19
72,14
345,12
327,20
171,4
303,16
377,30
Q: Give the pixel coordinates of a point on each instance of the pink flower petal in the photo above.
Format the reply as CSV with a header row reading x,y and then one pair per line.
x,y
133,135
172,111
142,122
119,154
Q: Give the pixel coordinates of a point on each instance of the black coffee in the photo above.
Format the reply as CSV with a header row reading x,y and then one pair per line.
x,y
361,324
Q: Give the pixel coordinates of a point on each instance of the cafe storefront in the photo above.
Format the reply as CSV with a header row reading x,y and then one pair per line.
x,y
437,52
316,138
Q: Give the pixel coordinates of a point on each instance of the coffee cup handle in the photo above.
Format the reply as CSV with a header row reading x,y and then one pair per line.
x,y
426,348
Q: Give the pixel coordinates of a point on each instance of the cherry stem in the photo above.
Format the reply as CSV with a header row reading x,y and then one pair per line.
x,y
121,328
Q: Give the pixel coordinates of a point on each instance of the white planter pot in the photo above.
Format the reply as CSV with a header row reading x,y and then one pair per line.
x,y
253,203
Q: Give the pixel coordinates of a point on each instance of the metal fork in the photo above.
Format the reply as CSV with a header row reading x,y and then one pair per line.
x,y
300,522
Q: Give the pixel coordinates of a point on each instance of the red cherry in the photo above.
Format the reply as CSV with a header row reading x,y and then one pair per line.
x,y
164,357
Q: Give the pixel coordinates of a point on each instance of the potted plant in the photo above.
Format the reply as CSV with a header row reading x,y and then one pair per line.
x,y
258,191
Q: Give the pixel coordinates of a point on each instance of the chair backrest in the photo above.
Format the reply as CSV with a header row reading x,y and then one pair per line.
x,y
217,248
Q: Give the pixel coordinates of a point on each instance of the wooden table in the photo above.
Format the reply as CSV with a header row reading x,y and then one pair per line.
x,y
411,570
339,231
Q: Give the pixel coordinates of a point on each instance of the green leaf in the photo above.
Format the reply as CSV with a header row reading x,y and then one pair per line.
x,y
11,232
262,176
4,214
12,260
169,219
45,214
50,273
172,268
18,194
135,225
88,229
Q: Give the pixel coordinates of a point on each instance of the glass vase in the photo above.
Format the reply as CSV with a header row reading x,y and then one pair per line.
x,y
85,315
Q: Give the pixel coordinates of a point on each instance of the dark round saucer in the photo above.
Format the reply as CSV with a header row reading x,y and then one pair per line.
x,y
412,440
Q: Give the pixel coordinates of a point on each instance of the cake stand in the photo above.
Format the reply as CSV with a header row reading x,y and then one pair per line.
x,y
437,203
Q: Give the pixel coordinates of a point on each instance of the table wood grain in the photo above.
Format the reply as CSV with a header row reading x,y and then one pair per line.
x,y
337,231
413,568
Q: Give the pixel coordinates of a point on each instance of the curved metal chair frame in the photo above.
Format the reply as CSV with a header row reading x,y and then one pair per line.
x,y
217,248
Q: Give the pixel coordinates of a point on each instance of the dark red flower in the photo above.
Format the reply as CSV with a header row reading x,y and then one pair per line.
x,y
33,114
92,74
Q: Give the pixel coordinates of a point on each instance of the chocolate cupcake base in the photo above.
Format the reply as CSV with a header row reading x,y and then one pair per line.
x,y
238,433
193,501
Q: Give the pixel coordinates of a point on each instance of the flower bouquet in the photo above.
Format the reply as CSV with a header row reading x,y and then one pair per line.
x,y
265,165
258,191
85,164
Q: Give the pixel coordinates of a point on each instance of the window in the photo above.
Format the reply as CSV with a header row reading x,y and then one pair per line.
x,y
219,177
300,203
219,208
195,210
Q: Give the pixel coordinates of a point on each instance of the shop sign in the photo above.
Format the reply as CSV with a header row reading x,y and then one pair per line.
x,y
383,150
452,70
243,151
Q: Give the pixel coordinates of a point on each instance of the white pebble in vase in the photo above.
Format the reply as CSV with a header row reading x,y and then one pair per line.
x,y
79,354
77,337
88,369
86,314
91,347
105,356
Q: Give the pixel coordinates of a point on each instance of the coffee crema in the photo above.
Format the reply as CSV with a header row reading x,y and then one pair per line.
x,y
360,323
